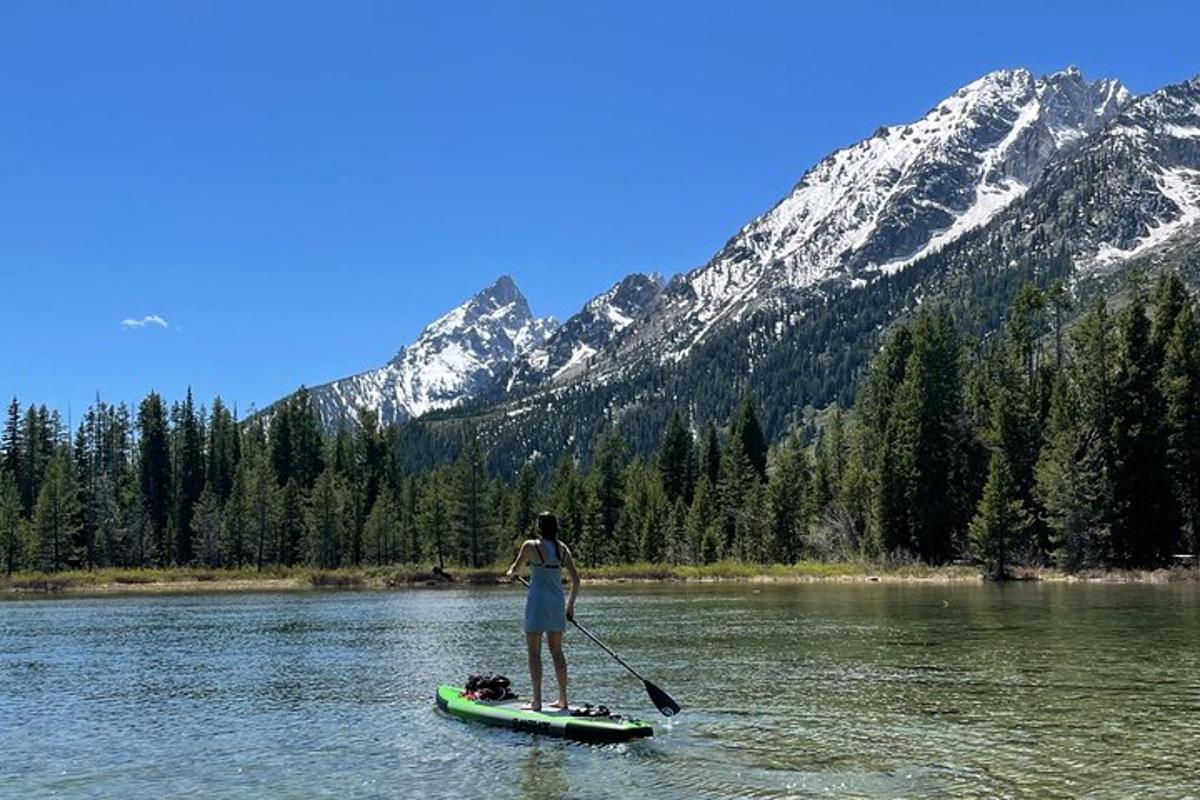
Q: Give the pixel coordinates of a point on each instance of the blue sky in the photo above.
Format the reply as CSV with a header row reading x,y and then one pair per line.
x,y
297,188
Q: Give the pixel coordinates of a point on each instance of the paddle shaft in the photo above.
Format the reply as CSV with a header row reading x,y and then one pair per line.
x,y
601,644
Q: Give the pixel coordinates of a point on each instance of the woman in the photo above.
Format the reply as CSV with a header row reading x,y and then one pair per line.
x,y
545,609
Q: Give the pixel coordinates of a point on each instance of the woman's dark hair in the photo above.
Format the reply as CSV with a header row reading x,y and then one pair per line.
x,y
547,525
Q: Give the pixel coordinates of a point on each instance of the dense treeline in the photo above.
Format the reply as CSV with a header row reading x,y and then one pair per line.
x,y
1075,447
1039,445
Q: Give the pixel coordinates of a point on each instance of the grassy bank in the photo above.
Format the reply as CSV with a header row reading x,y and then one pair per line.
x,y
187,580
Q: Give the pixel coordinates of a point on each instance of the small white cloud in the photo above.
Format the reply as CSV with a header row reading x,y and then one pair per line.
x,y
146,321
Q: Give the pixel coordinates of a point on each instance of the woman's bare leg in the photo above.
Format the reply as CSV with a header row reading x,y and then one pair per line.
x,y
555,641
533,643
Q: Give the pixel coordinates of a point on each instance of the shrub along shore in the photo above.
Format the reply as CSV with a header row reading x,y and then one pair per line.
x,y
187,580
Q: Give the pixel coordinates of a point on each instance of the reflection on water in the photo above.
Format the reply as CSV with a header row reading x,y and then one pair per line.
x,y
791,691
543,771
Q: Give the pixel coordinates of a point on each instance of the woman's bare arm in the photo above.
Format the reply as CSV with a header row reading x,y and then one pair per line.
x,y
573,571
522,557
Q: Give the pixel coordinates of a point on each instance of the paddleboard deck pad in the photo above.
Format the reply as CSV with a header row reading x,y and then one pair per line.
x,y
550,722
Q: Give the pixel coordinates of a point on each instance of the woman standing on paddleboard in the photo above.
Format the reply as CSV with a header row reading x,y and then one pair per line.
x,y
546,608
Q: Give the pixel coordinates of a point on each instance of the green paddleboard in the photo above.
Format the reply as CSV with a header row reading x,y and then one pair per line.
x,y
509,714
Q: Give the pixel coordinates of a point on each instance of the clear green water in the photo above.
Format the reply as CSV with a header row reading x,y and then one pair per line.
x,y
796,691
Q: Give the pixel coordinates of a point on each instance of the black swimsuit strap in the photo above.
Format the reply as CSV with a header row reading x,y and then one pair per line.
x,y
538,546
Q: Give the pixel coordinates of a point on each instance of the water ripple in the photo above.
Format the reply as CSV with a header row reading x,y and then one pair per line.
x,y
805,691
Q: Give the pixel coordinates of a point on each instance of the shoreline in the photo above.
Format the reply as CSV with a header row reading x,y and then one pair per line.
x,y
185,580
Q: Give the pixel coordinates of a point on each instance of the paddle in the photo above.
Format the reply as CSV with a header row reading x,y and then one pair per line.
x,y
662,701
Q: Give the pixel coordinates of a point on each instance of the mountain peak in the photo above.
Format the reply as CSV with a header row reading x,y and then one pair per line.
x,y
503,289
454,359
1072,73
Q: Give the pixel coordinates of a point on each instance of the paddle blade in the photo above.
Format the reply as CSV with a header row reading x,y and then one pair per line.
x,y
662,701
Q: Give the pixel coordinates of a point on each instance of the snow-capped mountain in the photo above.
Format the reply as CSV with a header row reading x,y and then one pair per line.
x,y
1012,178
569,350
454,359
1125,194
881,204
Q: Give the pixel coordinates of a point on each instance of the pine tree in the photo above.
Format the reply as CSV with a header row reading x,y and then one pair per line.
x,y
523,509
625,547
206,527
326,530
756,542
789,502
1074,470
370,456
235,526
737,477
14,535
56,514
1181,389
118,446
748,431
1057,488
86,466
279,438
289,523
873,455
931,437
295,441
1019,379
1059,301
470,519
224,451
702,521
891,523
678,550
853,507
434,517
1144,523
608,490
712,544
569,501
12,442
341,451
830,467
1012,426
710,463
1024,329
190,471
306,451
108,541
1000,521
1170,298
655,525
34,458
382,526
410,520
261,503
676,460
136,532
155,471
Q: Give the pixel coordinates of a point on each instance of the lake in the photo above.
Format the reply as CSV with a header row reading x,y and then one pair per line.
x,y
818,690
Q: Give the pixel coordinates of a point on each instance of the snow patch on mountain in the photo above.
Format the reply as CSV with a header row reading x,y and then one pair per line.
x,y
579,355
